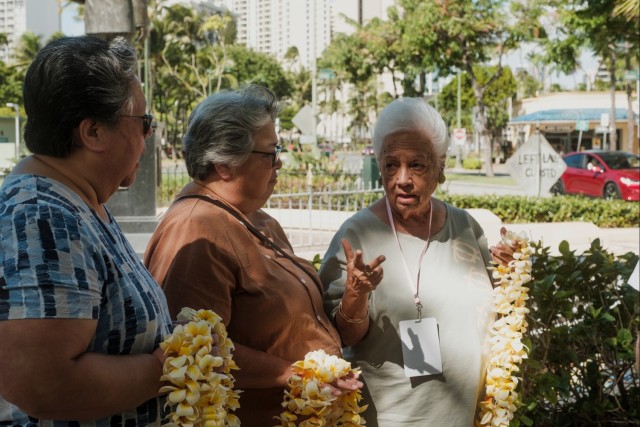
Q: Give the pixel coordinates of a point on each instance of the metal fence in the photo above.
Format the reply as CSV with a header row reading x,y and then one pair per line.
x,y
295,189
309,206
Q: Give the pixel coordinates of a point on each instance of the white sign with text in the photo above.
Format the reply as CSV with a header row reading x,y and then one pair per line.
x,y
536,166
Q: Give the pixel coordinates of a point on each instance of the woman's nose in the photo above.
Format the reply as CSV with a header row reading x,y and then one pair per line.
x,y
404,174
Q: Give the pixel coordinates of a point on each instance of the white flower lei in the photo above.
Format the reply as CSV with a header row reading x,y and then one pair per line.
x,y
201,389
309,402
507,350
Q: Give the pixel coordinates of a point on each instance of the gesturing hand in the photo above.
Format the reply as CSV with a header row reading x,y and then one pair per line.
x,y
362,278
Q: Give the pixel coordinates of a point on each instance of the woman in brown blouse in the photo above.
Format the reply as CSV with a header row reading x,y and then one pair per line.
x,y
216,249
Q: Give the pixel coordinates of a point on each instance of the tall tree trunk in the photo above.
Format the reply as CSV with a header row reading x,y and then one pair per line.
x,y
629,89
613,140
480,126
395,87
422,83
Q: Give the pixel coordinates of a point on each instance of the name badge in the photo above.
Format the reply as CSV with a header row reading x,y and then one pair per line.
x,y
420,347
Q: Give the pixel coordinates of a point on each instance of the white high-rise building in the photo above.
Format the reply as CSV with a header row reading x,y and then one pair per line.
x,y
273,26
40,17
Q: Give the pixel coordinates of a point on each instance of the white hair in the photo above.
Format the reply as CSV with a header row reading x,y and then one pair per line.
x,y
411,115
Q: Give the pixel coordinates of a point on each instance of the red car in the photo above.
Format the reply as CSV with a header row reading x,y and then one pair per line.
x,y
597,173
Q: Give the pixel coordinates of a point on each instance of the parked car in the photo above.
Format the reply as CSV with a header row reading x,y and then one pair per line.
x,y
368,151
597,173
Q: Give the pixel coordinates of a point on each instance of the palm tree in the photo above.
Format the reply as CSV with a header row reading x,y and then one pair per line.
x,y
630,9
26,49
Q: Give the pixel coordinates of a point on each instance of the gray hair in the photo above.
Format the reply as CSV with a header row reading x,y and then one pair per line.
x,y
220,128
71,79
411,115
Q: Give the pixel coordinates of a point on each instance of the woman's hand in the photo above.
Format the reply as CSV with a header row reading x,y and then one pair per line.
x,y
347,383
362,278
502,253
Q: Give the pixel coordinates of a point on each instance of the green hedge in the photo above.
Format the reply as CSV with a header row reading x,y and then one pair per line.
x,y
583,323
522,209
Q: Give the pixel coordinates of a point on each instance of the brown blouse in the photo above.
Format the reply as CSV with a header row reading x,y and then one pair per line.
x,y
203,257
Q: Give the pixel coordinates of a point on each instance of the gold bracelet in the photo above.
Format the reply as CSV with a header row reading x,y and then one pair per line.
x,y
350,320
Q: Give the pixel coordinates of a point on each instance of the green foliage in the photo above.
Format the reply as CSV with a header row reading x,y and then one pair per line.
x,y
528,86
522,209
472,163
495,98
27,47
351,59
193,55
582,325
10,87
249,66
596,25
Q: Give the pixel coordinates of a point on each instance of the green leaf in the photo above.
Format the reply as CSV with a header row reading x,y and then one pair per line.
x,y
526,420
564,248
594,312
625,337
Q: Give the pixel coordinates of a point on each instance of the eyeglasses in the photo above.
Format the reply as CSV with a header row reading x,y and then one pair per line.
x,y
275,154
147,119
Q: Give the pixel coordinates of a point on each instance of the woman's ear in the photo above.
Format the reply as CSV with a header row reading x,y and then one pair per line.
x,y
223,171
90,134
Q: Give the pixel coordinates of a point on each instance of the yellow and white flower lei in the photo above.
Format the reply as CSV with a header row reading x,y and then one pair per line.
x,y
507,350
201,389
309,402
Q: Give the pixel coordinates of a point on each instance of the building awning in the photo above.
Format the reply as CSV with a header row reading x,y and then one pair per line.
x,y
569,115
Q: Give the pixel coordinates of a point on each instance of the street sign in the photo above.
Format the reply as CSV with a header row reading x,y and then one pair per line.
x,y
632,75
536,166
459,136
305,121
602,129
582,125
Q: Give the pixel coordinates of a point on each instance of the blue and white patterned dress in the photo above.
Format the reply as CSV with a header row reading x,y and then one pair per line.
x,y
59,260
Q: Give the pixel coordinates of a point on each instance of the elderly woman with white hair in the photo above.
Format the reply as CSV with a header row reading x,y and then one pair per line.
x,y
419,336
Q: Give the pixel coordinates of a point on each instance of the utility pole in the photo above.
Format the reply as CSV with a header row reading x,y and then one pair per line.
x,y
459,102
314,77
459,119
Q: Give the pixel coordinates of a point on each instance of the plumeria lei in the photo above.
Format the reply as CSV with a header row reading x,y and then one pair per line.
x,y
309,401
201,385
507,350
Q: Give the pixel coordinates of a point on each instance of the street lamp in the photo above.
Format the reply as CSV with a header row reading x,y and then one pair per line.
x,y
16,107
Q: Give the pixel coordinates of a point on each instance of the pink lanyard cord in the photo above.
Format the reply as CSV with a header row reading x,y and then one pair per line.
x,y
415,286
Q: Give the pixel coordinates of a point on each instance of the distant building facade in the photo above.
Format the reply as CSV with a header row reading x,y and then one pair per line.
x,y
561,115
273,26
19,16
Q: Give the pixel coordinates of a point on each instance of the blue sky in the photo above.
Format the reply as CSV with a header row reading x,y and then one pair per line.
x,y
70,26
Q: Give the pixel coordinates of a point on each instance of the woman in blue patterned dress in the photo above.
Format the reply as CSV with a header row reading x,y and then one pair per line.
x,y
80,317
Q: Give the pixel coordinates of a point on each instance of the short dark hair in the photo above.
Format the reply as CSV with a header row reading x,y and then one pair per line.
x,y
221,127
71,79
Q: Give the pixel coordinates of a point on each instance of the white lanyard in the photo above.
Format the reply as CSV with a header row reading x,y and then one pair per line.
x,y
415,286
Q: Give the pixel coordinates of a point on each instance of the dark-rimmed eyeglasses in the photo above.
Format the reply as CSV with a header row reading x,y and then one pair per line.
x,y
147,119
275,154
